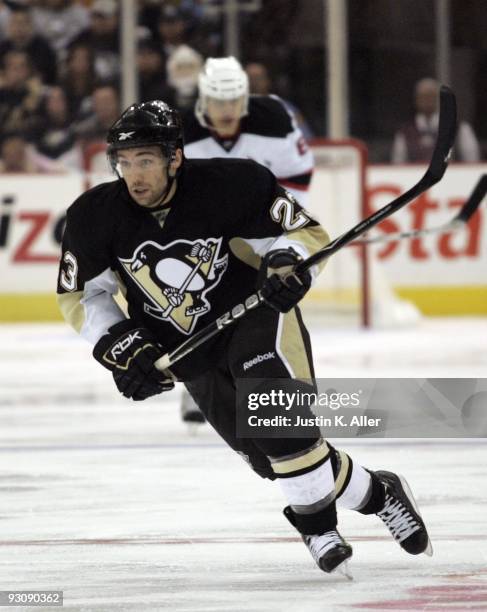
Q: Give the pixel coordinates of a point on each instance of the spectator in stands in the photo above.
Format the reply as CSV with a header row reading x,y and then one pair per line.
x,y
260,83
173,26
151,71
106,110
415,140
78,79
103,37
149,14
194,13
18,156
57,140
21,37
4,14
183,68
20,95
60,22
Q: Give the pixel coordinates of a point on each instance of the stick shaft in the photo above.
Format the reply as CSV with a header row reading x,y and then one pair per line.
x,y
459,221
434,173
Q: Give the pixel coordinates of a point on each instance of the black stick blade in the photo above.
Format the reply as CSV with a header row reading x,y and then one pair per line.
x,y
474,201
446,135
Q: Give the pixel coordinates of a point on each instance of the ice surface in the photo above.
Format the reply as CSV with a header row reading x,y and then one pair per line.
x,y
115,504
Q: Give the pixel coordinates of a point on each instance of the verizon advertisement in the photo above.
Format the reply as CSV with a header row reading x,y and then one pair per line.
x,y
458,258
32,210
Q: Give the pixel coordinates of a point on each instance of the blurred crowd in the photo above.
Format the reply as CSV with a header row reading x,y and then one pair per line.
x,y
60,75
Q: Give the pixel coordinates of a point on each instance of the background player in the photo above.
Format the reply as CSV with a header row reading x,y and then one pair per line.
x,y
228,122
150,232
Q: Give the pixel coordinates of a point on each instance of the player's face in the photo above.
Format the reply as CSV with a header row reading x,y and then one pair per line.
x,y
144,172
224,115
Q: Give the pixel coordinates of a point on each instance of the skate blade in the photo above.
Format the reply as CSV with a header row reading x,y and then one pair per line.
x,y
428,551
343,570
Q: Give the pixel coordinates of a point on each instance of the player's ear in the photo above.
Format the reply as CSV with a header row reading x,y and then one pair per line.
x,y
176,162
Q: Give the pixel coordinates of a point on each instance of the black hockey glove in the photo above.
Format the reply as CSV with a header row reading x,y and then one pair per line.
x,y
129,352
280,286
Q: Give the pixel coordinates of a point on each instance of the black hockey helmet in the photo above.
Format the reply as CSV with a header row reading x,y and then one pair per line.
x,y
146,124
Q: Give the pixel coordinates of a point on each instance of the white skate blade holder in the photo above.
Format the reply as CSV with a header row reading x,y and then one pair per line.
x,y
343,569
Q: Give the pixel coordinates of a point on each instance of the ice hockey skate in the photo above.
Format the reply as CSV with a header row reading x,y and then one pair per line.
x,y
401,515
329,549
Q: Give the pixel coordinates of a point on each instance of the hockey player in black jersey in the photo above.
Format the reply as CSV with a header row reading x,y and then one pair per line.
x,y
228,122
169,229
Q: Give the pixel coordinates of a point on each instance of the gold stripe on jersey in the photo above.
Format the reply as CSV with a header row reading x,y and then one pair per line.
x,y
243,251
121,297
313,238
300,461
342,475
121,284
72,309
292,348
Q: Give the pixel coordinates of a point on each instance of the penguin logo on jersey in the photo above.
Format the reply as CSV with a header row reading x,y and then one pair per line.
x,y
176,278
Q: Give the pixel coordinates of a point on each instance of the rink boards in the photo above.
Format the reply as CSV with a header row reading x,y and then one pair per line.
x,y
442,274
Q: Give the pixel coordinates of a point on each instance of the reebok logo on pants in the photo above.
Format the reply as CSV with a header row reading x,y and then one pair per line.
x,y
258,359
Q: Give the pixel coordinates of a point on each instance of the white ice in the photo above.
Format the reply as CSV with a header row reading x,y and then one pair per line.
x,y
115,504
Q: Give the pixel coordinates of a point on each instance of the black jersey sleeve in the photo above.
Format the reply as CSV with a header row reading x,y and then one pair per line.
x,y
86,281
274,219
271,119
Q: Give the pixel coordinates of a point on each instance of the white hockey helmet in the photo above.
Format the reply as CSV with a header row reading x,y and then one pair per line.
x,y
222,78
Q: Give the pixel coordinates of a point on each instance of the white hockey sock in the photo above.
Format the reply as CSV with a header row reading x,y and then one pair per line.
x,y
358,489
310,492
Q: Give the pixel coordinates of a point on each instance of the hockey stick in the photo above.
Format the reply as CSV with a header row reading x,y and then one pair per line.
x,y
458,222
434,173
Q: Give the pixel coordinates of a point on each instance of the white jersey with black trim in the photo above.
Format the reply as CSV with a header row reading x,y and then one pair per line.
x,y
268,134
